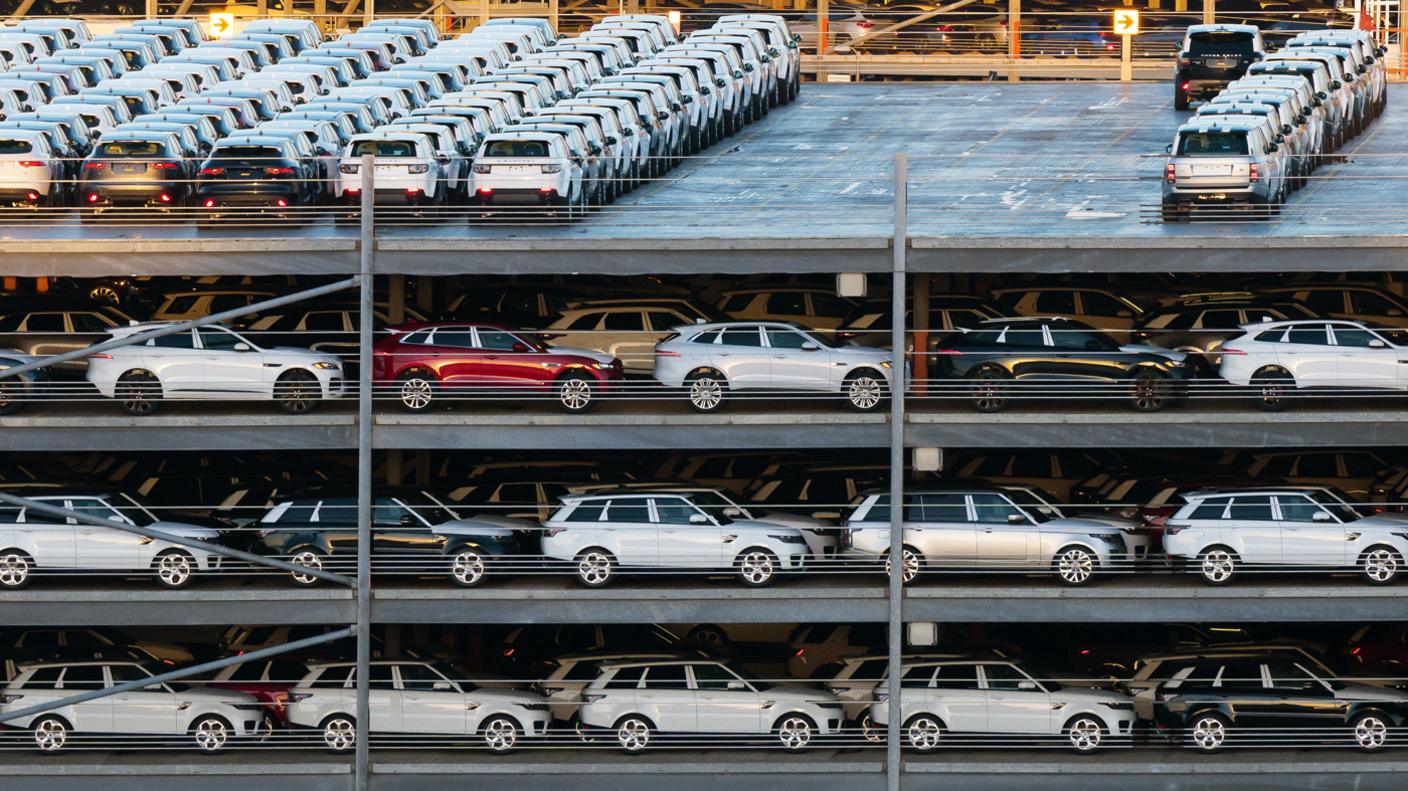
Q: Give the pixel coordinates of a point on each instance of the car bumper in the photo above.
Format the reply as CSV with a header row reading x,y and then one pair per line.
x,y
1195,196
23,195
517,197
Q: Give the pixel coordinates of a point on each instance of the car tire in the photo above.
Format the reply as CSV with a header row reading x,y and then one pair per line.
x,y
1208,731
16,569
12,396
1180,100
1084,733
706,391
468,568
1370,731
596,567
1380,565
1151,390
311,558
174,569
711,637
51,733
576,392
923,733
794,732
1217,565
864,390
757,567
1171,212
633,733
415,389
502,733
339,732
211,733
912,562
1274,387
1075,565
989,391
297,391
139,392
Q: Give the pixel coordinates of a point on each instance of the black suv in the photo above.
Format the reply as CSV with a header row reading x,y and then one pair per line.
x,y
1212,56
1046,358
413,533
256,173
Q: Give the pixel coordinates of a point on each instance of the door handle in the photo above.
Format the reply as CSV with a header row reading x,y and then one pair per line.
x,y
779,357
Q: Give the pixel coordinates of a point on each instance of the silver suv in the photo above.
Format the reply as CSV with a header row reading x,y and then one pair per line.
x,y
1224,161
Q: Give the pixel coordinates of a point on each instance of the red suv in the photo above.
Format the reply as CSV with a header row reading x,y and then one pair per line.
x,y
423,362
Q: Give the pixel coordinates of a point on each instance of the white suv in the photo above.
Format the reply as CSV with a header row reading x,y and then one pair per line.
x,y
1279,357
211,363
28,167
638,701
601,534
528,169
407,170
32,542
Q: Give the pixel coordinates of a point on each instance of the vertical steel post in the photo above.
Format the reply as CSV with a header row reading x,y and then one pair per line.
x,y
1014,39
1126,64
897,391
364,473
823,12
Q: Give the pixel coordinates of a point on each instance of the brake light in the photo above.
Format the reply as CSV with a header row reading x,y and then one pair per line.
x,y
509,651
1228,350
353,191
164,166
281,203
279,171
666,353
94,197
1171,529
209,203
32,195
800,651
949,352
847,334
865,24
100,356
1355,650
1253,173
1085,652
1186,86
211,171
94,165
486,191
1169,175
31,163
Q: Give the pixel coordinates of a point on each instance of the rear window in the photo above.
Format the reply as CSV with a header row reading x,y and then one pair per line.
x,y
131,148
517,148
384,148
1224,42
15,147
247,154
1212,144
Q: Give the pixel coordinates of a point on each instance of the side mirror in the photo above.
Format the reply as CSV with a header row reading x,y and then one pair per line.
x,y
1015,519
520,347
1321,95
1026,685
733,511
1336,85
737,686
442,686
628,132
1377,344
1168,149
1272,147
1285,129
689,99
611,140
243,347
1280,138
738,74
1320,516
675,106
810,347
747,67
698,519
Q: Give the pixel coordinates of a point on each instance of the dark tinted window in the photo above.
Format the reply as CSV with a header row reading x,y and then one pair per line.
x,y
418,677
44,678
1290,676
1003,677
15,147
712,677
339,511
994,509
385,148
1212,144
587,512
88,322
218,340
179,340
45,322
1097,304
1026,338
333,677
666,677
381,677
1241,675
497,340
1054,302
742,336
957,677
131,148
706,337
660,320
1314,335
629,511
940,508
1325,301
917,677
1255,507
1221,42
626,678
517,148
787,304
1355,338
84,677
1318,465
629,321
785,339
1210,509
585,322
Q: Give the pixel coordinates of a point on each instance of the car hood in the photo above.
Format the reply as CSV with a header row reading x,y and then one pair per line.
x,y
863,352
1090,695
303,355
1117,522
226,696
507,697
1364,692
477,527
1144,348
1383,520
756,524
798,692
788,520
601,357
1078,523
186,531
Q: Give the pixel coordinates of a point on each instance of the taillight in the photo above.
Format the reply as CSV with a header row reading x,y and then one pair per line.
x,y
591,697
508,652
1356,650
209,203
300,696
31,163
1171,529
1186,85
800,651
1169,173
211,171
94,197
165,166
666,353
94,165
1253,173
100,356
164,198
1143,335
281,203
279,171
1228,350
949,352
417,169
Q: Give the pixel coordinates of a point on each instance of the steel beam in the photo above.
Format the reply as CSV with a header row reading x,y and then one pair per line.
x,y
162,535
364,471
913,20
897,396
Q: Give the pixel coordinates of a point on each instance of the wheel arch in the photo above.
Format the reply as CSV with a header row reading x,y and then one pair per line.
x,y
1086,713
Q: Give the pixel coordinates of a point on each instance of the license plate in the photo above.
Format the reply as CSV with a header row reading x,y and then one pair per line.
x,y
391,169
514,168
129,168
1212,170
246,173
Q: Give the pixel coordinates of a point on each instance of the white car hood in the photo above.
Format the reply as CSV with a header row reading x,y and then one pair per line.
x,y
787,520
225,696
1383,520
295,353
798,692
507,697
1078,523
474,527
754,524
186,531
1144,348
601,357
1090,695
1117,522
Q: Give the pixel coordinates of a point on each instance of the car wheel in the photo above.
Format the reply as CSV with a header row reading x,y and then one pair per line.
x,y
595,567
1170,212
12,393
1217,565
174,568
297,391
794,732
865,390
139,392
211,733
1208,732
575,393
989,390
308,558
910,563
923,732
51,734
339,733
1150,390
706,391
1180,100
711,636
1370,731
105,294
15,569
1273,389
1380,565
416,389
468,568
501,733
1084,734
1076,566
633,733
757,567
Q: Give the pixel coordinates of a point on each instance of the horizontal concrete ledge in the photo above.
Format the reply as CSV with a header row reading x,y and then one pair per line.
x,y
1196,765
162,766
723,592
734,764
135,244
281,595
541,244
597,420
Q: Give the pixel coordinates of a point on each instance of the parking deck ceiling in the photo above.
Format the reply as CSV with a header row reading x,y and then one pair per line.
x,y
1026,177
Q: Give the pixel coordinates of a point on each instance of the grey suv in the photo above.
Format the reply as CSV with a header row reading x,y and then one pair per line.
x,y
1224,161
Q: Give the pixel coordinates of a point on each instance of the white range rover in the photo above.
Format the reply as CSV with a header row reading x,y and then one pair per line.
x,y
528,169
211,363
603,535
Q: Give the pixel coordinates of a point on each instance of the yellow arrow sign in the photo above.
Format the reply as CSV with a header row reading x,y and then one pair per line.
x,y
1127,22
221,24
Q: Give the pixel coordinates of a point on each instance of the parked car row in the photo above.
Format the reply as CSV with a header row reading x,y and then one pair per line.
x,y
1260,135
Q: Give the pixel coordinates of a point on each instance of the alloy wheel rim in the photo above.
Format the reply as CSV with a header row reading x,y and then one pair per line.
x,y
310,560
211,735
757,567
795,733
909,565
633,735
575,394
1380,565
5,399
14,570
864,392
1272,390
501,735
50,735
1371,733
594,568
705,393
296,397
1209,733
1217,566
468,568
339,734
988,394
924,734
137,399
174,568
104,294
1085,735
1148,393
415,393
1076,565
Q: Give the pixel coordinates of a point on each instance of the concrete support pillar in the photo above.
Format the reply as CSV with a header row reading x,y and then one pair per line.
x,y
393,639
1014,39
396,299
1209,12
261,8
1180,5
920,337
395,467
823,12
149,9
425,295
368,12
422,468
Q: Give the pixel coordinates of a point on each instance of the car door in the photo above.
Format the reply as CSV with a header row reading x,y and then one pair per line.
x,y
938,525
1309,357
958,690
666,698
401,541
104,547
1310,535
52,539
1297,699
177,363
625,336
635,536
336,519
688,537
798,362
1016,702
92,716
384,700
150,709
430,703
726,703
1253,529
232,367
740,355
1004,536
1366,360
507,361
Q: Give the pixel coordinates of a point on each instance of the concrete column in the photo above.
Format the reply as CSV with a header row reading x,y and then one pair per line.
x,y
149,9
896,586
395,467
1209,12
1180,5
823,12
362,763
920,323
422,468
396,299
425,295
261,8
1014,39
368,12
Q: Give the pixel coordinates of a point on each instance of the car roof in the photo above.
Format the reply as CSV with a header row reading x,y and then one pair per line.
x,y
1205,494
1224,124
1229,28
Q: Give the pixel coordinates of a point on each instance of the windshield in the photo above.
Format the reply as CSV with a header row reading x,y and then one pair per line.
x,y
15,147
758,684
1341,511
1035,508
247,153
1212,144
384,148
714,504
1221,42
429,508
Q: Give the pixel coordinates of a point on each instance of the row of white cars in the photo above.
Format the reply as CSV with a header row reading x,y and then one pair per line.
x,y
1262,136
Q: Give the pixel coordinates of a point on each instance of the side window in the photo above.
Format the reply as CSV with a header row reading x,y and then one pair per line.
x,y
993,508
215,339
1271,336
381,677
664,320
940,508
225,302
587,512
123,673
706,337
88,322
387,512
918,677
1325,302
742,336
1251,507
673,511
45,322
1210,509
33,517
1366,303
1354,337
1279,467
453,338
1317,465
1290,676
666,677
957,677
627,321
1027,338
824,304
1056,302
1004,677
1097,304
879,510
587,321
1073,339
633,511
338,511
178,340
9,514
498,341
626,678
44,678
418,677
93,507
736,303
785,339
1360,464
712,677
84,677
1241,675
1221,320
787,304
1313,334
1298,509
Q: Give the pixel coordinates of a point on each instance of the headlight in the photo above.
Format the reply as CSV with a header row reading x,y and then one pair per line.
x,y
602,366
326,366
788,539
552,168
1120,706
886,364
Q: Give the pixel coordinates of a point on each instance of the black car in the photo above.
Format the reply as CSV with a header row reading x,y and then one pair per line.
x,y
1214,701
1212,57
1046,358
413,533
250,173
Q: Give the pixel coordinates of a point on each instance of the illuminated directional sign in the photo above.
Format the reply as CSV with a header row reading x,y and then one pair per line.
x,y
1126,22
221,24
